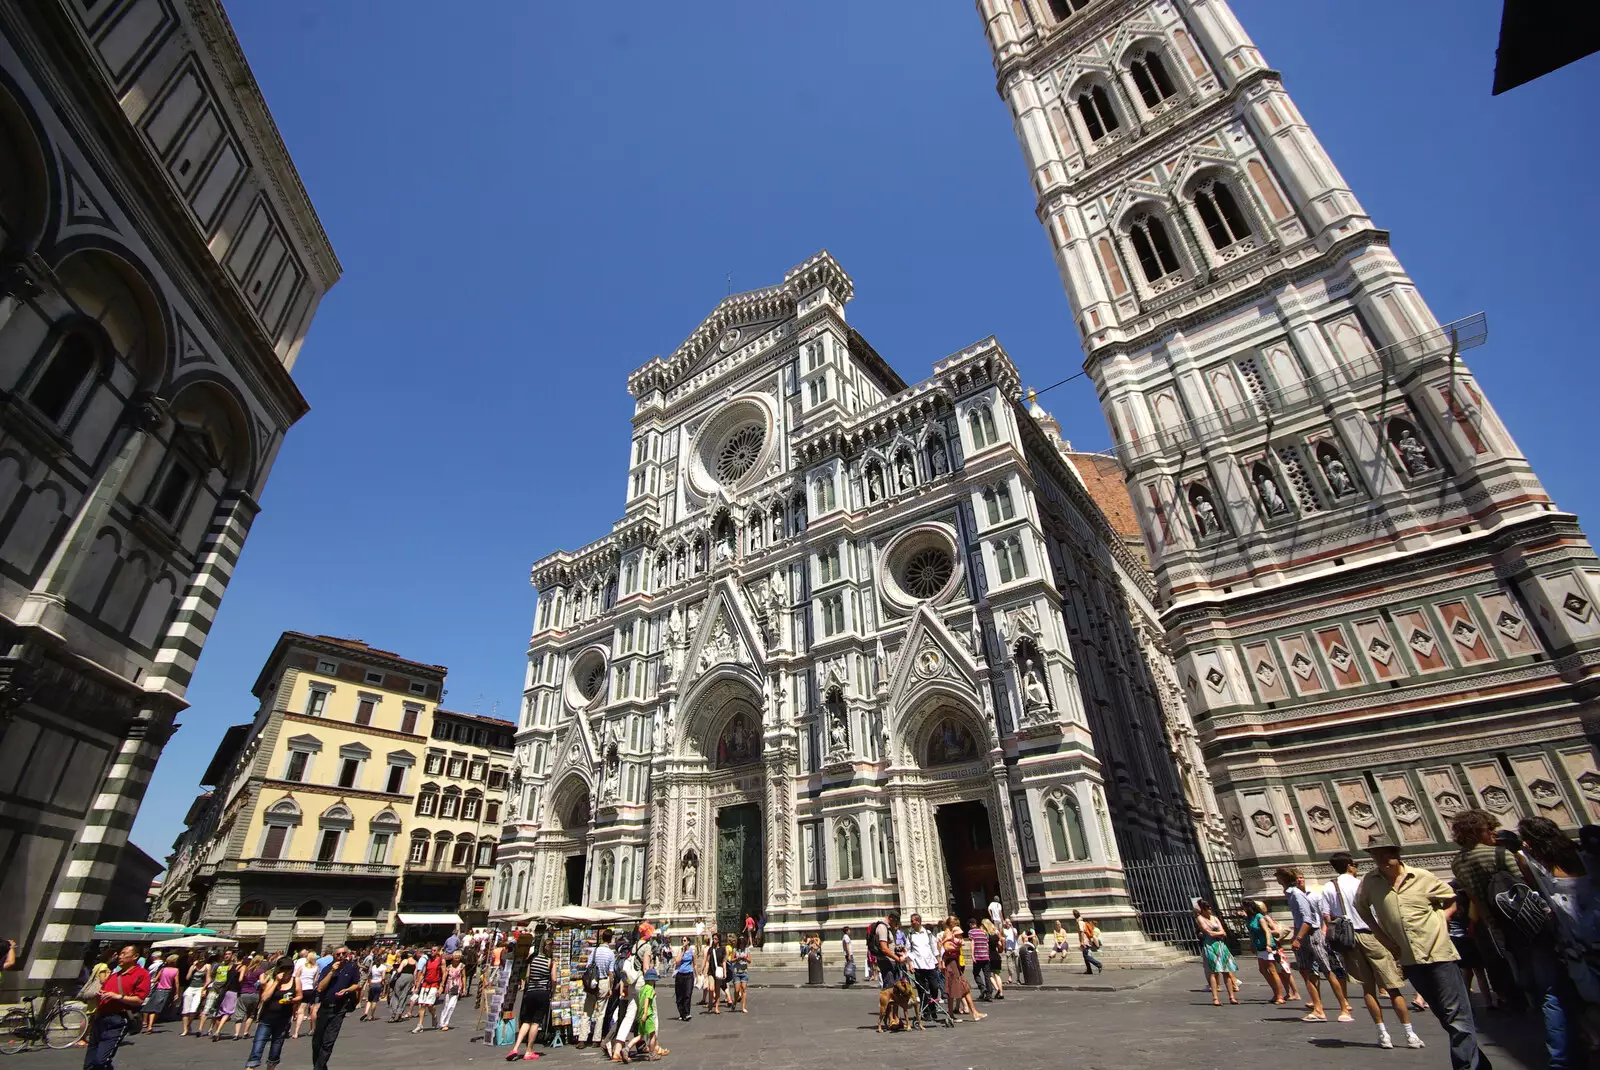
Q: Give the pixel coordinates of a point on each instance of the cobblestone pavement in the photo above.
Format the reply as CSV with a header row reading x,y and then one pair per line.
x,y
1167,1023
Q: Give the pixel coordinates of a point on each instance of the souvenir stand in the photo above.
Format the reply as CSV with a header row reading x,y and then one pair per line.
x,y
572,931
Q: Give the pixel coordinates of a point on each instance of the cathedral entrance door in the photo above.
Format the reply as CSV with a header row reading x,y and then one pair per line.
x,y
740,891
968,848
574,879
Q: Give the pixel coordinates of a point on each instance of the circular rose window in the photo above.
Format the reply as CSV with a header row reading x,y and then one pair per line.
x,y
920,565
739,452
587,681
924,573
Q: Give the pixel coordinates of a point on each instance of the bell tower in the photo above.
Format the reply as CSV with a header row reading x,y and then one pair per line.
x,y
1379,615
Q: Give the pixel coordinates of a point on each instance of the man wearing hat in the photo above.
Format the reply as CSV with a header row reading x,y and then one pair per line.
x,y
1409,910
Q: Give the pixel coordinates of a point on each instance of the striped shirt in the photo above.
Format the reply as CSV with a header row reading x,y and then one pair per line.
x,y
538,972
980,944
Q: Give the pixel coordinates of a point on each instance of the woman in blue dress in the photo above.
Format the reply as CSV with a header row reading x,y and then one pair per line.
x,y
1214,946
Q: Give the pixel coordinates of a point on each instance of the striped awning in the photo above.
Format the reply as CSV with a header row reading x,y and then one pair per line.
x,y
310,928
249,929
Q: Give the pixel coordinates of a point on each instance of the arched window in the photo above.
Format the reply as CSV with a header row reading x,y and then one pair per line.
x,y
1066,830
1009,560
997,501
522,877
65,372
311,908
1150,76
462,856
607,867
253,908
847,835
419,848
1157,258
625,876
1219,211
441,849
364,909
505,887
981,421
1061,10
1099,117
877,850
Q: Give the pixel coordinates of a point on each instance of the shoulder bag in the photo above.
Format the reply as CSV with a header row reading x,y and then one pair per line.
x,y
1341,930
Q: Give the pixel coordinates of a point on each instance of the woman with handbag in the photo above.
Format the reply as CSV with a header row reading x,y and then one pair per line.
x,y
1220,966
541,979
958,994
716,971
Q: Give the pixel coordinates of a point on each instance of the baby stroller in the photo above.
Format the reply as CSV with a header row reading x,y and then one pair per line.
x,y
930,1001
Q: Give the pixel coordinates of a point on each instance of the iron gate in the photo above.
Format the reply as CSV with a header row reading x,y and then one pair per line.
x,y
1164,889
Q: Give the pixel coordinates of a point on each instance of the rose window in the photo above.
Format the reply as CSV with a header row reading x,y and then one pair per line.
x,y
592,678
926,572
740,452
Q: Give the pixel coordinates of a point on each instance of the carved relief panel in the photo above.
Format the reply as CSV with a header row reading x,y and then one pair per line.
x,y
1581,767
1321,823
1401,799
1493,792
1543,787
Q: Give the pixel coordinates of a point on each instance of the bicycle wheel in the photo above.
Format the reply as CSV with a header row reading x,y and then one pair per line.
x,y
14,1032
65,1028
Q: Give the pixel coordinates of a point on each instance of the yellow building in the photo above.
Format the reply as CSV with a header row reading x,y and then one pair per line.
x,y
450,846
303,835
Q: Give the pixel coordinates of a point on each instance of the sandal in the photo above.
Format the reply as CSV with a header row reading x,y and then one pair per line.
x,y
1233,1001
514,1056
1315,1018
1345,1017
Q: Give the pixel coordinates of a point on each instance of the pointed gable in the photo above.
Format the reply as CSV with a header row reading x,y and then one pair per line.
x,y
725,634
931,657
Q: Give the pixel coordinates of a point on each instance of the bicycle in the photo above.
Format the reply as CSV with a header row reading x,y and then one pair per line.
x,y
56,1026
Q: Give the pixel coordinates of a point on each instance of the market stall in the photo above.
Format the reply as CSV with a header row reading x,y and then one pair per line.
x,y
572,931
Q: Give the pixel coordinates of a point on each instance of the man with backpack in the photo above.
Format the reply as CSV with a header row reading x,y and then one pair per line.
x,y
1408,910
597,986
1486,869
888,959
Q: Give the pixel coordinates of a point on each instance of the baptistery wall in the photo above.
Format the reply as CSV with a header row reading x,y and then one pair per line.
x,y
853,644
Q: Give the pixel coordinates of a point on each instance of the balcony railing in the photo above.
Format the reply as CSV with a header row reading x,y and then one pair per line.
x,y
347,869
1468,333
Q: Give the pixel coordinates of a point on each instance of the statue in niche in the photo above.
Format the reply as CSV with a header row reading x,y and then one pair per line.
x,y
936,458
689,881
740,743
777,525
1270,495
1413,454
778,588
908,475
874,484
838,733
799,515
1205,515
678,565
674,628
755,535
1033,692
661,571
1338,476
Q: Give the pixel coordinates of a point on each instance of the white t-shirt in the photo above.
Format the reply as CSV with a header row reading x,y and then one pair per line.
x,y
844,941
924,949
306,974
1329,900
996,911
699,928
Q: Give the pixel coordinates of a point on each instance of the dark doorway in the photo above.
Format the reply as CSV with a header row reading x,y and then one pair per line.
x,y
968,857
740,893
575,878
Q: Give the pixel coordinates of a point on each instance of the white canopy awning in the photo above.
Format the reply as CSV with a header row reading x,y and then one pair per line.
x,y
430,919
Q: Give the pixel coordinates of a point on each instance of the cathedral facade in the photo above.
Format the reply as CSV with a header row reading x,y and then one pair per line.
x,y
1379,615
854,644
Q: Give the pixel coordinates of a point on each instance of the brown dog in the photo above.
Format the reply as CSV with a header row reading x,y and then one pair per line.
x,y
897,1007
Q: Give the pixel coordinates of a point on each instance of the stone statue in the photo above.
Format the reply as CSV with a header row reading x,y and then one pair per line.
x,y
778,589
1205,514
777,526
678,569
1413,454
725,548
755,536
939,463
908,475
1338,477
838,734
799,516
689,883
1270,496
674,628
1033,692
874,484
661,571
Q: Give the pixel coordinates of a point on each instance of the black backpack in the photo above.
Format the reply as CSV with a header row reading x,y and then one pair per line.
x,y
1525,912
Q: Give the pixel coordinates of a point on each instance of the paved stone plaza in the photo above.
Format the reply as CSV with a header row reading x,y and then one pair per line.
x,y
1168,1022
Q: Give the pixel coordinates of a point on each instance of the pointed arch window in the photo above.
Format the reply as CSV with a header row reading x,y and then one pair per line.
x,y
1151,78
1219,211
1009,560
1066,830
997,501
1157,258
981,421
1099,117
1060,10
625,876
847,837
607,876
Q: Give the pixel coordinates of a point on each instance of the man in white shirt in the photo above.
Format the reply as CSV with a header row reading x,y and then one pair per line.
x,y
923,947
997,912
1369,961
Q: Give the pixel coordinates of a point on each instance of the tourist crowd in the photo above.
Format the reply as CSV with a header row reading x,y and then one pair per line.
x,y
1520,921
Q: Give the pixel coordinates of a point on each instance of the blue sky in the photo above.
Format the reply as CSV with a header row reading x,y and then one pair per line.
x,y
532,198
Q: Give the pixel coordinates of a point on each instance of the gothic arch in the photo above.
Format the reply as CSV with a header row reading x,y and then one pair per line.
x,y
934,705
211,409
27,174
107,283
725,691
571,807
